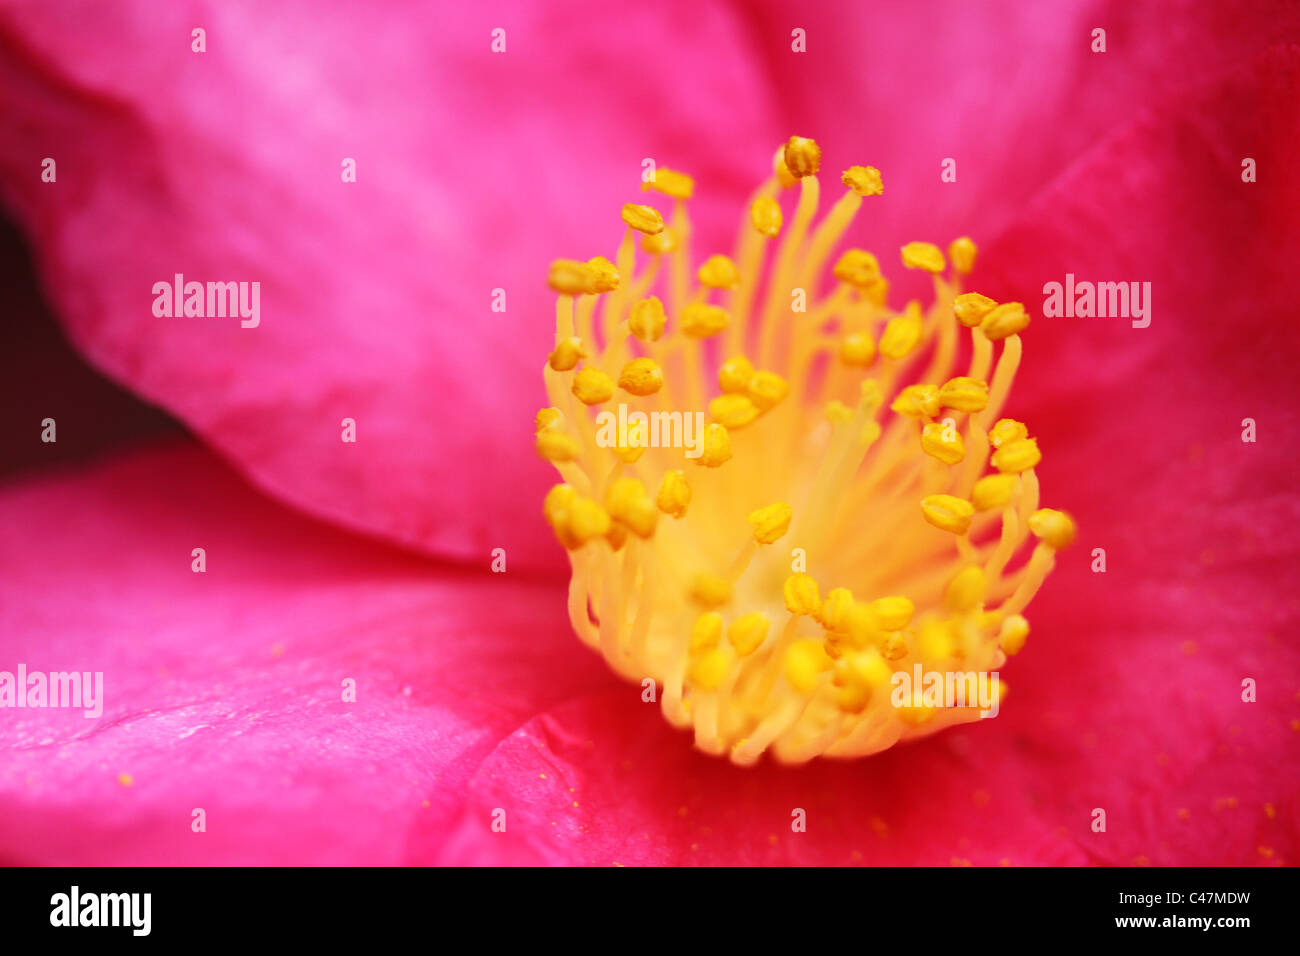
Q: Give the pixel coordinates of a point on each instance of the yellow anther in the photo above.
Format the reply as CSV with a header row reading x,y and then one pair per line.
x,y
627,502
592,386
857,675
733,410
803,157
870,432
1055,528
892,613
710,590
605,274
748,632
616,535
918,401
671,183
782,172
857,268
546,417
660,243
706,632
964,394
834,615
701,320
709,670
1014,633
1007,319
837,413
1017,456
962,254
646,320
805,661
857,350
878,292
558,499
966,589
568,277
557,446
770,522
765,214
923,255
903,333
674,494
894,646
643,218
993,491
719,272
575,519
942,441
870,394
735,373
637,442
1006,431
568,353
766,390
947,513
935,641
971,307
863,180
802,595
916,715
717,446
641,376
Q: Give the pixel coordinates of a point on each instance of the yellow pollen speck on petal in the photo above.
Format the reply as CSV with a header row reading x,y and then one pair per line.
x,y
710,590
947,512
971,307
857,350
734,374
670,182
803,157
646,320
766,389
567,354
943,442
964,394
717,446
918,401
765,216
557,446
641,376
805,662
701,320
674,494
1055,528
643,218
592,386
1007,319
801,594
546,417
719,272
863,180
923,255
962,254
1006,431
771,522
125,779
733,410
628,503
1014,633
568,277
748,632
966,590
993,491
892,613
1017,456
903,333
858,268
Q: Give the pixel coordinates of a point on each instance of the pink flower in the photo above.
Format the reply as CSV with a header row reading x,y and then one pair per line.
x,y
224,691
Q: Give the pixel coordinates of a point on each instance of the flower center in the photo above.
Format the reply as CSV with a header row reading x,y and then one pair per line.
x,y
831,527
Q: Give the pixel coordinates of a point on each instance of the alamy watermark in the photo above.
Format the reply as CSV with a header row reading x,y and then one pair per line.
x,y
946,689
651,430
1104,300
73,689
183,299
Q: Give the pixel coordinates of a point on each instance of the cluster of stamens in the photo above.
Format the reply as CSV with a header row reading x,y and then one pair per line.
x,y
772,578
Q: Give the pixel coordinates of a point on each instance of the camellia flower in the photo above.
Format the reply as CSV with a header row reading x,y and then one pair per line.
x,y
899,508
227,699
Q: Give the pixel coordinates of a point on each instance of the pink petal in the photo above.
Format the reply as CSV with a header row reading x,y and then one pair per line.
x,y
224,690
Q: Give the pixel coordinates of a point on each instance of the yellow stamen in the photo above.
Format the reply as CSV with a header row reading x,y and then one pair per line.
x,y
826,466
